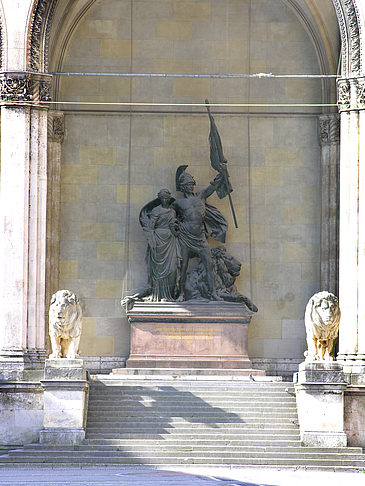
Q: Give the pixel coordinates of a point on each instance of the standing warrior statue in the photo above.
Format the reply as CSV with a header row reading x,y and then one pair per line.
x,y
197,220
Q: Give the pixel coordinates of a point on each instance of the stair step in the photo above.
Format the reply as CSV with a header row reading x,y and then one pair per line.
x,y
176,419
210,387
188,425
188,447
160,461
171,442
168,420
72,454
200,435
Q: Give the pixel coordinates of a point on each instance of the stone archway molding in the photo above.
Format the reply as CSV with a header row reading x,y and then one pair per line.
x,y
350,16
38,34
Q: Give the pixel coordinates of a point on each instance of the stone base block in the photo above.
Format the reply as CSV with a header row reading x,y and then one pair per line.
x,y
320,390
22,366
189,335
61,436
65,401
324,439
21,412
225,362
64,369
319,373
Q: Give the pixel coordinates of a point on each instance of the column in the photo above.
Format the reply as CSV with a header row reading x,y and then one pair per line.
x,y
56,129
352,224
23,221
329,135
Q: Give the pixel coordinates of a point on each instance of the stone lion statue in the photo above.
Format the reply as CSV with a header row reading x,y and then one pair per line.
x,y
322,319
65,322
226,268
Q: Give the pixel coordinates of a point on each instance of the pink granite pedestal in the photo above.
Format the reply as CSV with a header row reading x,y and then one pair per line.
x,y
189,335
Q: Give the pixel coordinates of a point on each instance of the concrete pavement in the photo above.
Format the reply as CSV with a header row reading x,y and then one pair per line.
x,y
172,476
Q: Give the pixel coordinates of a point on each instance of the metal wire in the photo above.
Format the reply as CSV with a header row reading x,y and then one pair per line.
x,y
204,76
135,103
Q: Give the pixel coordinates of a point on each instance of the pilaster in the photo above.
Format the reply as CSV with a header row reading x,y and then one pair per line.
x,y
56,128
351,102
329,136
23,219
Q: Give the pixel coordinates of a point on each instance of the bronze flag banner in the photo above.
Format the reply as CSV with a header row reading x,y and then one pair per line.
x,y
219,162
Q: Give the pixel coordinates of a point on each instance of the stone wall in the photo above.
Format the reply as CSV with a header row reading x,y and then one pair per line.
x,y
116,158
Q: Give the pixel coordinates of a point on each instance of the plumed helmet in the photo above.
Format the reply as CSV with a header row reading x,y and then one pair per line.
x,y
183,177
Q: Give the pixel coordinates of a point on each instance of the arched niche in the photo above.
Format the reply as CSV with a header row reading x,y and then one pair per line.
x,y
114,159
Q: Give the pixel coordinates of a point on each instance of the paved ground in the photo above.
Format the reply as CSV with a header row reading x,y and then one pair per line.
x,y
173,476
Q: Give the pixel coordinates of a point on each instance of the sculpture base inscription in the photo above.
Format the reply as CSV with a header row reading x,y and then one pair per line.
x,y
189,335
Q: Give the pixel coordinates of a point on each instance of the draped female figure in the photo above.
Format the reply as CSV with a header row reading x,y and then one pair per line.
x,y
158,220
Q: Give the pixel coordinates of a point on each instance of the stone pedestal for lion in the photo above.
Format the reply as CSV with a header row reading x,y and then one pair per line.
x,y
192,334
65,401
320,388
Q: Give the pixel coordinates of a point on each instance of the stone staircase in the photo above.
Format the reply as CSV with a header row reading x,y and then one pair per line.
x,y
177,419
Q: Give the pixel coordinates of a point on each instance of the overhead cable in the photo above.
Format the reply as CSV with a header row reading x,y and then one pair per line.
x,y
204,76
134,103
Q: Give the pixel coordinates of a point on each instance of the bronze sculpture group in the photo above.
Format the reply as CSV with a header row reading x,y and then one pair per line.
x,y
177,230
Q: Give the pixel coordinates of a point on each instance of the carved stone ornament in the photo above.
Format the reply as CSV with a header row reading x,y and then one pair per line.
x,y
45,90
355,58
35,35
1,41
65,324
343,94
25,87
56,126
347,13
360,92
329,129
16,87
42,15
322,320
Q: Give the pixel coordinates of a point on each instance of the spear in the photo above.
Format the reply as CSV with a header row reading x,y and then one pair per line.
x,y
218,161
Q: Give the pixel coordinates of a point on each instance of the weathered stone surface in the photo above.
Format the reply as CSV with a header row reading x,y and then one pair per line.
x,y
320,373
64,369
60,436
21,412
324,439
354,413
65,401
320,390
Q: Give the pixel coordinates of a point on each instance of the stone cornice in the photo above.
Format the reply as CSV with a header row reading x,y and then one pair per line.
x,y
25,87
